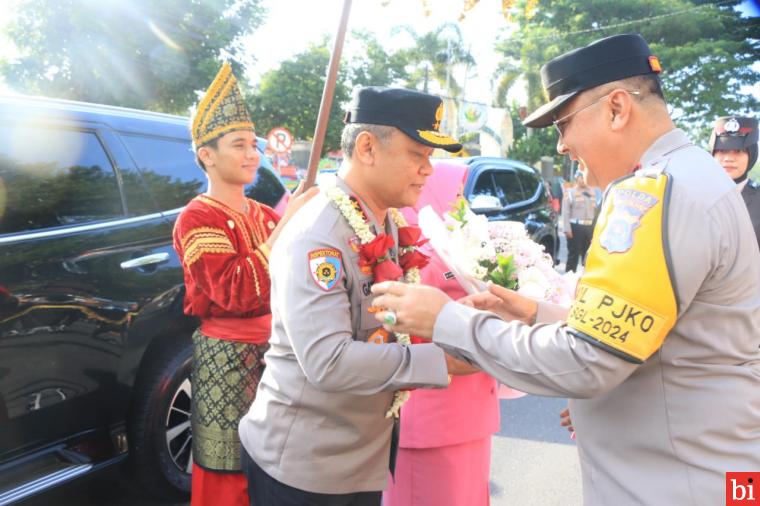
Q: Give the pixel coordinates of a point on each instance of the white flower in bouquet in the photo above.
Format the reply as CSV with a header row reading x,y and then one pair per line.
x,y
501,252
533,282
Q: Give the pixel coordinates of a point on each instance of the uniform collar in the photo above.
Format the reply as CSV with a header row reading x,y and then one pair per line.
x,y
665,144
388,228
742,184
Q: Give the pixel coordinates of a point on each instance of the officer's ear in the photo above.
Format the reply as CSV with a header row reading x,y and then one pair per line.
x,y
620,106
365,147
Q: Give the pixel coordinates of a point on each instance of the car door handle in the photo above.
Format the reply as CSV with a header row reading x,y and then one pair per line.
x,y
155,258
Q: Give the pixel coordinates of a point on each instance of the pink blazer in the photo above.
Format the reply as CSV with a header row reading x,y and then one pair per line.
x,y
465,411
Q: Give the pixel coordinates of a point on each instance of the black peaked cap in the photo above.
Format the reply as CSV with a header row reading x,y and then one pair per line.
x,y
603,61
417,114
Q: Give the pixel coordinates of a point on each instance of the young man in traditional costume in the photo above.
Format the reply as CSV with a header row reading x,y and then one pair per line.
x,y
223,240
322,429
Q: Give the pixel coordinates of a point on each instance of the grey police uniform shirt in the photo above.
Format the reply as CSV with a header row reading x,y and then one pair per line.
x,y
578,206
667,431
318,421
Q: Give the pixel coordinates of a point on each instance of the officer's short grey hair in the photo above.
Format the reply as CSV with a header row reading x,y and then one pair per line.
x,y
352,130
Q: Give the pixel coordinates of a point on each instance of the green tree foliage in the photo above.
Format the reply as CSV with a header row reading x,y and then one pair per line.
x,y
433,55
530,148
290,96
375,66
141,53
706,49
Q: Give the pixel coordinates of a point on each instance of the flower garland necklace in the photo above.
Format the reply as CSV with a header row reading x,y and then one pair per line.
x,y
361,227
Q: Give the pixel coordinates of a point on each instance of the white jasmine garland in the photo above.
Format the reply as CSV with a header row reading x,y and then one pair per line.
x,y
364,232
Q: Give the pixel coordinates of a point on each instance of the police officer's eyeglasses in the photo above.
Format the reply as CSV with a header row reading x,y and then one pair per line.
x,y
561,123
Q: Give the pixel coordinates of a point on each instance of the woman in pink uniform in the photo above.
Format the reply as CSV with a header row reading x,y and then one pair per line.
x,y
445,449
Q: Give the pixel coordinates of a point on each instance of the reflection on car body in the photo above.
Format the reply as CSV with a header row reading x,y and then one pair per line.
x,y
94,347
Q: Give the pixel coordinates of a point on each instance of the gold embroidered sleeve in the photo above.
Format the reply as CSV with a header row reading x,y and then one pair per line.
x,y
205,240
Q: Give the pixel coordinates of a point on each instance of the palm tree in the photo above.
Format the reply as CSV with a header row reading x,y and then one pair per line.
x,y
433,56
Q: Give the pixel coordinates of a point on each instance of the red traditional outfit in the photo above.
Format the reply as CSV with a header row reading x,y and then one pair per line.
x,y
225,260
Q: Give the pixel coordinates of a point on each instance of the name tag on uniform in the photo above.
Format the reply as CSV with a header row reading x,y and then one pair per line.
x,y
616,321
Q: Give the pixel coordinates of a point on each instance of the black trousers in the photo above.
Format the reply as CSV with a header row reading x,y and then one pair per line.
x,y
578,245
263,490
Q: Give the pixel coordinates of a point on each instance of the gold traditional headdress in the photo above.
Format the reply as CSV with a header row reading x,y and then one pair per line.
x,y
221,110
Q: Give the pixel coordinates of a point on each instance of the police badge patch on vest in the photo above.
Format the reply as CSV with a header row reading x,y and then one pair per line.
x,y
628,206
326,267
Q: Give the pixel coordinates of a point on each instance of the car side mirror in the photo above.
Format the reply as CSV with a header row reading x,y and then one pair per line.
x,y
484,203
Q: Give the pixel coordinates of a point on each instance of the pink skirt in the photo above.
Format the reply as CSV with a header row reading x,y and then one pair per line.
x,y
454,475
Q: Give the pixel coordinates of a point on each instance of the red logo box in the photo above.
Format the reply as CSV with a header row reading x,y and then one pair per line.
x,y
743,489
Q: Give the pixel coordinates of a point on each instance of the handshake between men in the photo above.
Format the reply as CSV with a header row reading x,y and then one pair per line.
x,y
416,307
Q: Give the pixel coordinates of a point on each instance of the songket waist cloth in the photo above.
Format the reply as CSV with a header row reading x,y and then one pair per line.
x,y
225,374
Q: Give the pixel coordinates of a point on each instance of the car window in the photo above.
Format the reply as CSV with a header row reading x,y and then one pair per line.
x,y
529,183
483,187
168,169
54,177
266,188
508,187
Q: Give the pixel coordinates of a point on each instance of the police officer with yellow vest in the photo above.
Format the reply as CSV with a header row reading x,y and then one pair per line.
x,y
659,352
733,143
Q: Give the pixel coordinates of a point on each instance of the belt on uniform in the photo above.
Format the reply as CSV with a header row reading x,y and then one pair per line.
x,y
582,222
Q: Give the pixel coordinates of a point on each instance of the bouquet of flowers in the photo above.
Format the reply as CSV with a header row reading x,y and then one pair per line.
x,y
478,251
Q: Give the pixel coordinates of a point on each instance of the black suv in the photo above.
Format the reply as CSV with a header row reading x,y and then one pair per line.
x,y
504,189
94,348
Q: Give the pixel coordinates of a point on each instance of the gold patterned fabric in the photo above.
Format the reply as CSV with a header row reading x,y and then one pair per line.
x,y
225,376
221,110
205,240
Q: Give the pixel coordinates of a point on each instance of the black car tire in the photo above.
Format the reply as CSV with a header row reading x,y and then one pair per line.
x,y
164,377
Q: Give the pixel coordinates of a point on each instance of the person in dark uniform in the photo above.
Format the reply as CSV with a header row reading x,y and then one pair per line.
x,y
733,144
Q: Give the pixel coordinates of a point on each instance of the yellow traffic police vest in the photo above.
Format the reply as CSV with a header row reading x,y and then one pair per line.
x,y
625,301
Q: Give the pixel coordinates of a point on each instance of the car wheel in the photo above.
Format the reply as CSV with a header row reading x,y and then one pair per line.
x,y
160,437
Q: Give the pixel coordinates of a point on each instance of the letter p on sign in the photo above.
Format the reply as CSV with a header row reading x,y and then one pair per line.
x,y
743,489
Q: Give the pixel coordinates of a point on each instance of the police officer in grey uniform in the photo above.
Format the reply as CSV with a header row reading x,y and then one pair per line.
x,y
665,428
317,432
578,221
733,143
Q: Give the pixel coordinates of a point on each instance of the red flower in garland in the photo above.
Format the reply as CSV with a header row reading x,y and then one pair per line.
x,y
412,259
410,236
373,251
374,256
387,270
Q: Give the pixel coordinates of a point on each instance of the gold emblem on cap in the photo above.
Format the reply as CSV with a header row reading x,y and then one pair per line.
x,y
438,117
436,138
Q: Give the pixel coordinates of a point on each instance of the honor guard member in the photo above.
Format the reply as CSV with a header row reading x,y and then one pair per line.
x,y
578,221
659,352
319,431
733,143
